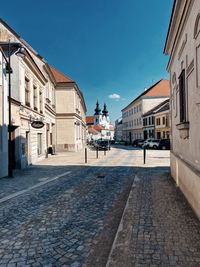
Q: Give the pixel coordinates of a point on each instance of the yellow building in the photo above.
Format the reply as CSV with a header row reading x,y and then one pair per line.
x,y
162,121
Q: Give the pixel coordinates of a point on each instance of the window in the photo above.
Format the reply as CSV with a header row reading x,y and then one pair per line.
x,y
39,143
153,121
182,96
158,121
163,120
35,97
149,120
41,103
27,93
164,135
167,123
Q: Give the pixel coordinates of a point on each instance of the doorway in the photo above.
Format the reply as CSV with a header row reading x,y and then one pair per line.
x,y
12,148
130,138
27,147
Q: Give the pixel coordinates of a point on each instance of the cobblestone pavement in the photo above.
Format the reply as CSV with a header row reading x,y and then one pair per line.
x,y
158,227
60,223
63,162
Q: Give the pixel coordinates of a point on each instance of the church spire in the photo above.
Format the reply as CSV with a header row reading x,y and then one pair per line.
x,y
105,111
97,109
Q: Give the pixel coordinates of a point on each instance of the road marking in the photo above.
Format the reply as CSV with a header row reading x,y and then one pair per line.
x,y
4,199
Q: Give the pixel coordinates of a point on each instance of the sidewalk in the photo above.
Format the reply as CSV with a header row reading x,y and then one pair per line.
x,y
158,227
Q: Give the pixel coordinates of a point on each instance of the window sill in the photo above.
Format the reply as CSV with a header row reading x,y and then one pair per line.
x,y
183,129
183,125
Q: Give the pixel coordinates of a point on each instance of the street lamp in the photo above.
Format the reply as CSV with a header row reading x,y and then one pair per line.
x,y
10,48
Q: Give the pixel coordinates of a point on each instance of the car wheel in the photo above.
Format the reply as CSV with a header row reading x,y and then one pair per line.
x,y
164,148
154,147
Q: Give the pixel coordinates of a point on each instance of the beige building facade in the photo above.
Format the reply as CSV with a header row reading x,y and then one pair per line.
x,y
183,47
70,114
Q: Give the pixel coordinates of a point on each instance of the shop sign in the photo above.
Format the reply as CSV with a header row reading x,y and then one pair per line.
x,y
37,124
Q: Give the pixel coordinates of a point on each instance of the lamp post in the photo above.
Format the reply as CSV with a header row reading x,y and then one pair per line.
x,y
10,48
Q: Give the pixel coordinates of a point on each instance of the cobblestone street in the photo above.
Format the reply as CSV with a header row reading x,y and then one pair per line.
x,y
66,213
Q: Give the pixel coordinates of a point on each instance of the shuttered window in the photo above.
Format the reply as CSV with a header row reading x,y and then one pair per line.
x,y
182,96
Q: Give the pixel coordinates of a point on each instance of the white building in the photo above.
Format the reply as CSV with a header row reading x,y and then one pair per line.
x,y
3,116
183,47
133,112
100,122
33,99
118,136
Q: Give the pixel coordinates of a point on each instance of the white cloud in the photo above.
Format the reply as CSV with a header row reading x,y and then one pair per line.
x,y
114,96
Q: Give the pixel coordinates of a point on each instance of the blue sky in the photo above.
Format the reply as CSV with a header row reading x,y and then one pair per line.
x,y
109,47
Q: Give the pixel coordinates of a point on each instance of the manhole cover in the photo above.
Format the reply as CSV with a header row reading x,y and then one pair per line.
x,y
100,176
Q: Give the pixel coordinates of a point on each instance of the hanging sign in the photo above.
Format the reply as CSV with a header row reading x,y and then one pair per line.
x,y
37,124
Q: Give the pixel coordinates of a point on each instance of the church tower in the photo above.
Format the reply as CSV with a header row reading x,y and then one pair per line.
x,y
97,114
105,117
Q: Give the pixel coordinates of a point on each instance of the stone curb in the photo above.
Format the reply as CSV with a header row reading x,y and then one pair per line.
x,y
120,225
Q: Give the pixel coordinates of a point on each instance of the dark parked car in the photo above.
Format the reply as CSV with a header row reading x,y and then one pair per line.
x,y
164,144
103,144
138,142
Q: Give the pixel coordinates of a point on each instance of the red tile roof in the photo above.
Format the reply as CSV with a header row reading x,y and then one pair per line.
x,y
98,127
159,89
92,131
89,119
59,77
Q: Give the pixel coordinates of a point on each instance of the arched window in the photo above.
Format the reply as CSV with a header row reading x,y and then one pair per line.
x,y
197,26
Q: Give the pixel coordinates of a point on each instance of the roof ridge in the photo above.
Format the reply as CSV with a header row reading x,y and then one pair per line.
x,y
59,76
145,92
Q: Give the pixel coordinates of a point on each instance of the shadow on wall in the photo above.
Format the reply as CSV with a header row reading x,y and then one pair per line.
x,y
18,150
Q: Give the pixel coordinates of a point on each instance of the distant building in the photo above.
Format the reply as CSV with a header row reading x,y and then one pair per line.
x,y
156,122
101,123
118,136
70,114
89,120
133,112
183,47
162,121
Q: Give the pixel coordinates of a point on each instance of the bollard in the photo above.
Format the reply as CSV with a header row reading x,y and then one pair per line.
x,y
104,151
97,152
85,154
144,154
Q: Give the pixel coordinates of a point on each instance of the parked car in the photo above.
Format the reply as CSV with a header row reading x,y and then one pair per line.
x,y
151,143
138,142
164,144
103,144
